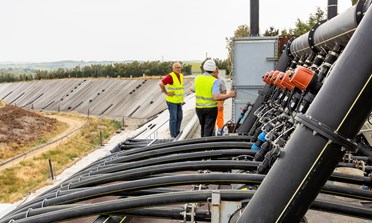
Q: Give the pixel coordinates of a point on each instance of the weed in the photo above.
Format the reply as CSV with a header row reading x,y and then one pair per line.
x,y
21,179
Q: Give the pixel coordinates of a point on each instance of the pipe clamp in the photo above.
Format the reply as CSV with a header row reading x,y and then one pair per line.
x,y
326,132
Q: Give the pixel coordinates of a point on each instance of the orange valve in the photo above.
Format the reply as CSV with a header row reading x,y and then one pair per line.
x,y
302,77
269,76
265,78
278,81
273,77
287,82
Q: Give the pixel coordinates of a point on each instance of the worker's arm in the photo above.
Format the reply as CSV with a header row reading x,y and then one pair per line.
x,y
162,87
192,87
220,103
216,93
221,97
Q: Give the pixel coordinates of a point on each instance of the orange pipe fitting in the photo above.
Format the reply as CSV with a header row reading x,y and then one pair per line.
x,y
273,77
278,80
287,82
265,78
302,77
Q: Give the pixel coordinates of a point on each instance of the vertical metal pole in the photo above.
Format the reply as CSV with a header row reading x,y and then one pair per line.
x,y
255,15
332,9
51,169
101,137
216,202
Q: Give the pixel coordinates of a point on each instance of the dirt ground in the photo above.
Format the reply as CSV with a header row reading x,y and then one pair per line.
x,y
19,127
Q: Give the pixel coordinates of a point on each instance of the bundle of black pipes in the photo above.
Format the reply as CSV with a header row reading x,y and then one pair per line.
x,y
339,105
304,124
144,179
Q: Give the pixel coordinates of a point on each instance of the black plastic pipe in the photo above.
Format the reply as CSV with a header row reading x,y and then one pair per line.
x,y
180,149
121,206
338,30
127,203
341,106
61,190
147,152
167,149
113,189
133,174
284,60
159,213
195,143
187,142
65,194
255,17
344,209
150,152
250,117
211,154
332,9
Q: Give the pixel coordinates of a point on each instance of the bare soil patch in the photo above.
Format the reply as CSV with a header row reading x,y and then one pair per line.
x,y
20,128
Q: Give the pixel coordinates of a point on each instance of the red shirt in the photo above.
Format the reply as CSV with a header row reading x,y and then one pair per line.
x,y
169,80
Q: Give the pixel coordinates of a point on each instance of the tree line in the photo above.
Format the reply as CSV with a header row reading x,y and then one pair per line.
x,y
156,68
132,69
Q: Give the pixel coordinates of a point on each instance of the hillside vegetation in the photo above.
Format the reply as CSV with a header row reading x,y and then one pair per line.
x,y
22,130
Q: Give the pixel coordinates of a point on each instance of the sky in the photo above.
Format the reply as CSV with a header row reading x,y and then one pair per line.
x,y
146,30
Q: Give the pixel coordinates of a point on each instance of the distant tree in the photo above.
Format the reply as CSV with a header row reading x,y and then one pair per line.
x,y
134,69
221,64
41,74
7,77
284,32
241,31
303,27
271,31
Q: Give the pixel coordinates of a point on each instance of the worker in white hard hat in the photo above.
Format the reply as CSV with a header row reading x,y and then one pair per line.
x,y
220,116
206,88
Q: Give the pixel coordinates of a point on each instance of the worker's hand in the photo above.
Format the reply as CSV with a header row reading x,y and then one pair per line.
x,y
232,93
169,93
191,85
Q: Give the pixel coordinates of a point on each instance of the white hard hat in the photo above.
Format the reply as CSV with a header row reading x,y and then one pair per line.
x,y
209,65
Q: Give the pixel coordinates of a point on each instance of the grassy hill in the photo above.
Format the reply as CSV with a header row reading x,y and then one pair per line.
x,y
27,68
19,68
195,66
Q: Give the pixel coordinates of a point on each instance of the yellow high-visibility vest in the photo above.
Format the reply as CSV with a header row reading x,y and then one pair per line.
x,y
203,91
177,88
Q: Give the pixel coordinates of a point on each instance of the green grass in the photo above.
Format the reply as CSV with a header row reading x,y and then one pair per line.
x,y
41,141
195,67
22,178
116,124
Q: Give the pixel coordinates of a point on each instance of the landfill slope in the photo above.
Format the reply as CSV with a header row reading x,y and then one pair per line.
x,y
113,98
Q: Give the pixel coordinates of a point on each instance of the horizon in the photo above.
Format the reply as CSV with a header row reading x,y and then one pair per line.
x,y
90,61
93,30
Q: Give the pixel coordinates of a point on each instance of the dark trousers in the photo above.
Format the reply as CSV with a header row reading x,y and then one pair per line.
x,y
207,119
175,118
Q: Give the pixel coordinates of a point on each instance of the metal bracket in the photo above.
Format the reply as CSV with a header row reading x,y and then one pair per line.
x,y
326,132
189,210
216,203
